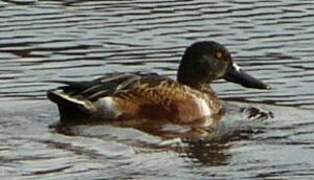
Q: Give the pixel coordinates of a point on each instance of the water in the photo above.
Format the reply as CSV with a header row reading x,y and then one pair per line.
x,y
78,40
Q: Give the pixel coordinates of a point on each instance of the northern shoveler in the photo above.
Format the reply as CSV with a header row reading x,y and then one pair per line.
x,y
131,96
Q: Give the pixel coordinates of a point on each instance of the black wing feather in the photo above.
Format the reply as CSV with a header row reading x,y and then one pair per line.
x,y
109,84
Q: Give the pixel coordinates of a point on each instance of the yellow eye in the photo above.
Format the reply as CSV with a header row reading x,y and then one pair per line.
x,y
219,55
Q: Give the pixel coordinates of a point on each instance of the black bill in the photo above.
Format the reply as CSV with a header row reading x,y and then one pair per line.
x,y
236,75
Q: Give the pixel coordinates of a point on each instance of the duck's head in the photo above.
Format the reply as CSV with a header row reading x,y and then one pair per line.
x,y
206,61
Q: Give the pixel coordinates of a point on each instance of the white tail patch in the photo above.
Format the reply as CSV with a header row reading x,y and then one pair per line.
x,y
71,99
108,107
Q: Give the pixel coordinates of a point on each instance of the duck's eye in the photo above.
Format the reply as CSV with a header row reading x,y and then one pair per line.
x,y
219,55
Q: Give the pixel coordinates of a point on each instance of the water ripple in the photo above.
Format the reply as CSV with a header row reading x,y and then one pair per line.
x,y
79,40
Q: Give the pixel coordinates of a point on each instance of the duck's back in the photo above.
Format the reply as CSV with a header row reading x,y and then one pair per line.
x,y
124,96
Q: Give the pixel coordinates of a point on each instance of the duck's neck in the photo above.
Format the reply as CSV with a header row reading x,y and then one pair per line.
x,y
188,76
201,86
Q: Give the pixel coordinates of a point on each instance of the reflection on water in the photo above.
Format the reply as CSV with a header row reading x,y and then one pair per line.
x,y
276,147
75,40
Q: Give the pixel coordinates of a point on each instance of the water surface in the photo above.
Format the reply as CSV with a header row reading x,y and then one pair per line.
x,y
43,40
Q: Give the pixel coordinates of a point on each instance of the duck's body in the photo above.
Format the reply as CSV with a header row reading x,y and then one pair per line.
x,y
129,96
125,96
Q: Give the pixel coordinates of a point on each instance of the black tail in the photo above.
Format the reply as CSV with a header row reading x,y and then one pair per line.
x,y
71,109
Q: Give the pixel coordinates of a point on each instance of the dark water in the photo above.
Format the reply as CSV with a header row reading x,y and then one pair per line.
x,y
75,40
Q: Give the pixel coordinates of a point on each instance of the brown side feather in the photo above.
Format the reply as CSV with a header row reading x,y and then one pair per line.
x,y
167,100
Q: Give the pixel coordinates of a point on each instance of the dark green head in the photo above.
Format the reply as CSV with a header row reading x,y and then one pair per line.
x,y
206,61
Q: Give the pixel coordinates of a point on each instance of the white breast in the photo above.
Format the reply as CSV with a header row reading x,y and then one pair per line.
x,y
203,107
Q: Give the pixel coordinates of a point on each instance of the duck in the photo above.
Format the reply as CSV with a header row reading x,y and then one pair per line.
x,y
188,100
